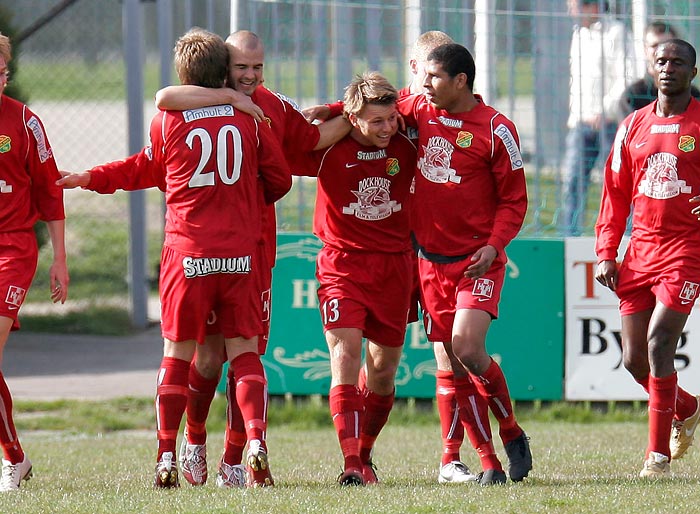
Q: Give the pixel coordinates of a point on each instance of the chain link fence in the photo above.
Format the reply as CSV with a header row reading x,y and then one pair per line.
x,y
71,71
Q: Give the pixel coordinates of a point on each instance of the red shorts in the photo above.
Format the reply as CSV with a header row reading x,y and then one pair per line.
x,y
190,292
365,290
676,288
17,268
263,274
414,305
445,289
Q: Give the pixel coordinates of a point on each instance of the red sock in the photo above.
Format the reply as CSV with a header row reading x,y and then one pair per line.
x,y
450,425
474,415
662,400
377,409
251,394
686,404
11,448
199,398
345,404
492,386
235,427
171,400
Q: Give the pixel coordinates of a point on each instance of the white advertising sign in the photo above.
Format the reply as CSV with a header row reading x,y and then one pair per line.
x,y
594,369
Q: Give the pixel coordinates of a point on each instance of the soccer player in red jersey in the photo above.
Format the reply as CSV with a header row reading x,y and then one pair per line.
x,y
469,203
452,421
27,193
361,216
654,166
295,135
208,161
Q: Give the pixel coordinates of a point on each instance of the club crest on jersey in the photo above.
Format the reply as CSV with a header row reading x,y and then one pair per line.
x,y
374,200
661,178
686,143
483,287
689,292
436,161
5,144
464,139
268,120
15,296
5,187
392,166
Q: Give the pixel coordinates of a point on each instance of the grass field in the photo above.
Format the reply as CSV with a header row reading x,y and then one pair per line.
x,y
584,461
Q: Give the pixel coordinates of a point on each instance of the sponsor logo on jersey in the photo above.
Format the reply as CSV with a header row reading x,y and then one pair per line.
x,y
449,122
213,111
5,144
201,266
661,178
268,120
689,292
464,139
374,200
483,288
285,98
673,128
42,144
371,156
392,166
435,164
686,143
15,296
5,187
516,160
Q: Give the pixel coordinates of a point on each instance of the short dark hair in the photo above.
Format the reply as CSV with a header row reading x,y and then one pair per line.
x,y
661,27
685,45
455,59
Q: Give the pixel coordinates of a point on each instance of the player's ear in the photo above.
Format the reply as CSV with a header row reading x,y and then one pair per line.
x,y
352,118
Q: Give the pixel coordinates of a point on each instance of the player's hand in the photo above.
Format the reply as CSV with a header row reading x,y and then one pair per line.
x,y
244,103
606,274
71,180
316,112
482,260
59,280
695,210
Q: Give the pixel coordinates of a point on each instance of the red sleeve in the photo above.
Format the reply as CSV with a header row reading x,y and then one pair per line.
x,y
274,171
304,135
336,109
511,189
616,199
407,106
138,171
46,195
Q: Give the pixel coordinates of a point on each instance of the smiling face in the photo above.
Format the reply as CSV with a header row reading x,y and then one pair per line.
x,y
245,64
375,124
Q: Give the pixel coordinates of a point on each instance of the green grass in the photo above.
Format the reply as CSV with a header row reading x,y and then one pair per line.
x,y
91,462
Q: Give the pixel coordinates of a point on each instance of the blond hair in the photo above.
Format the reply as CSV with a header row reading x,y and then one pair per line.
x,y
5,48
201,58
427,42
369,88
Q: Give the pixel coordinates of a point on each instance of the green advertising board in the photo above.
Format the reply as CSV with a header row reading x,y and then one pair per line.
x,y
527,339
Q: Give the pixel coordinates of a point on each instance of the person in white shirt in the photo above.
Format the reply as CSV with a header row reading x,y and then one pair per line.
x,y
602,63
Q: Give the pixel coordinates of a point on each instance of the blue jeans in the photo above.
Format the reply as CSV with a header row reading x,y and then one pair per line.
x,y
584,144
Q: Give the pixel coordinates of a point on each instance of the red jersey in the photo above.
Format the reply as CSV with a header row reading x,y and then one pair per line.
x,y
470,185
362,194
295,135
209,160
28,171
654,165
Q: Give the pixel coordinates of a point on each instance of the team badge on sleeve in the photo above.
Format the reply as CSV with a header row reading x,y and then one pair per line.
x,y
516,159
42,144
5,144
686,143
